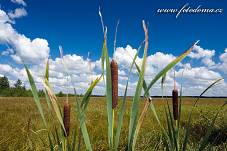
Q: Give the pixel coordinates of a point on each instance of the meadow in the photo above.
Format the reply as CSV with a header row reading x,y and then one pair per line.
x,y
21,126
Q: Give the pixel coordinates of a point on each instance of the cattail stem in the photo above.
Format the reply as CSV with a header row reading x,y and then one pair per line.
x,y
66,117
114,79
113,121
174,81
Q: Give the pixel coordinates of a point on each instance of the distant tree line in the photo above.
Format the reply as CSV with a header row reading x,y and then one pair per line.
x,y
18,89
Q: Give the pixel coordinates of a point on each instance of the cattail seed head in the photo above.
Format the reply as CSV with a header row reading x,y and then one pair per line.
x,y
66,117
175,103
114,78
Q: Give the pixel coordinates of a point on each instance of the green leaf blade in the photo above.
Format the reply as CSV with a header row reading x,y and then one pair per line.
x,y
135,103
169,66
35,95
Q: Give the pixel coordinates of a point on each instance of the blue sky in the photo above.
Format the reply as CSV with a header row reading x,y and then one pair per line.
x,y
76,26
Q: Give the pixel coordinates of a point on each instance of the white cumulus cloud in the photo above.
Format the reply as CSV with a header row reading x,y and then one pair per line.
x,y
30,51
20,2
222,66
17,13
204,54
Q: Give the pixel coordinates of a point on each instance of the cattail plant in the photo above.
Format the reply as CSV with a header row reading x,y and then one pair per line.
x,y
175,100
66,108
114,78
66,117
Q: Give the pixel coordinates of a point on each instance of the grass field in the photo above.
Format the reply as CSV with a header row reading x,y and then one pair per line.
x,y
21,125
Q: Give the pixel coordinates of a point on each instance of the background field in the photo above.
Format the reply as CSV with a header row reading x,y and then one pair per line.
x,y
20,122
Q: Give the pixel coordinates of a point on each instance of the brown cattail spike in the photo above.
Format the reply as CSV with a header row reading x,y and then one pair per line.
x,y
66,117
175,100
114,78
175,104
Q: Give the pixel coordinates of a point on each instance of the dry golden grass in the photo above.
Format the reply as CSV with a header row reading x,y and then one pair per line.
x,y
19,117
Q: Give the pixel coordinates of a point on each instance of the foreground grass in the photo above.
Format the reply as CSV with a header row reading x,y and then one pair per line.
x,y
21,125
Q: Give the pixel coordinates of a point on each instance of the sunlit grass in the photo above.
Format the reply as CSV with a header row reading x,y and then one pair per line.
x,y
16,112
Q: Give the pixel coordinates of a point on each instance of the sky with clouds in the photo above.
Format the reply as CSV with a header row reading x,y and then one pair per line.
x,y
32,31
